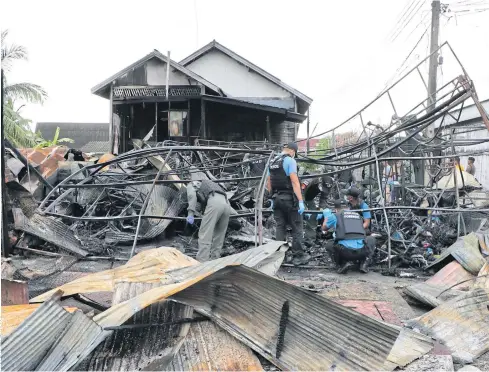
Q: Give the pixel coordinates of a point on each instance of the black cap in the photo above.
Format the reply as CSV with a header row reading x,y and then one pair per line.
x,y
353,191
292,146
339,203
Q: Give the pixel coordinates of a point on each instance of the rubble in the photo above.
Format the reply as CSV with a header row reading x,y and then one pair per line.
x,y
151,305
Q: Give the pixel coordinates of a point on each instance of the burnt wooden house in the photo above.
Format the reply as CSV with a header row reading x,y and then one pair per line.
x,y
212,94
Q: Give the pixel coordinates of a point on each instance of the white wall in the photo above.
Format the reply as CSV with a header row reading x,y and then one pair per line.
x,y
234,78
156,74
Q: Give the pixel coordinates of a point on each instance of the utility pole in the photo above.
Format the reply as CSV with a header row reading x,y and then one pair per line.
x,y
435,28
433,70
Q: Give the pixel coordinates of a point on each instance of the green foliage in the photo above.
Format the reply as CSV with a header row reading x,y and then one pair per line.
x,y
41,142
324,144
16,128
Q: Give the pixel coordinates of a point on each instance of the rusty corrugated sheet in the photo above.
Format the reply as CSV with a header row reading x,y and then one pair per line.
x,y
25,347
14,292
452,274
207,347
157,343
442,286
50,230
466,251
120,313
409,346
291,327
430,294
70,342
140,348
14,315
461,324
266,258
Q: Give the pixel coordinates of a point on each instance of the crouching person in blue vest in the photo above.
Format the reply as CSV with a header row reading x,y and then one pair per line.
x,y
350,243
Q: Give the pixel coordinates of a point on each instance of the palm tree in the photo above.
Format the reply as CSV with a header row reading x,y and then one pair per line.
x,y
17,129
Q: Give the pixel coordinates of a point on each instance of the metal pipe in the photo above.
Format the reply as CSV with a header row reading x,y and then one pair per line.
x,y
146,201
259,203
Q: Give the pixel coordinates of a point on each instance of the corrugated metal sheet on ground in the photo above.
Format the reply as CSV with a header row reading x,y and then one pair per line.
x,y
380,310
25,347
318,334
70,343
141,348
409,346
263,258
146,266
50,230
207,347
14,315
462,324
120,313
442,286
466,251
432,295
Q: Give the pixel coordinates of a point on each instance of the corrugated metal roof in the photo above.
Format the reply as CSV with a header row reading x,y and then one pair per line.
x,y
430,294
466,251
70,343
207,347
25,347
451,275
409,346
97,147
141,348
120,313
14,315
50,230
442,286
163,266
291,327
461,324
146,266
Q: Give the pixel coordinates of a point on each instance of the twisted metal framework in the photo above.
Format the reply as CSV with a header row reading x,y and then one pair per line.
x,y
137,194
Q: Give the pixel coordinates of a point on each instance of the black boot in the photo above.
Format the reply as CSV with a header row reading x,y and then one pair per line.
x,y
344,268
364,265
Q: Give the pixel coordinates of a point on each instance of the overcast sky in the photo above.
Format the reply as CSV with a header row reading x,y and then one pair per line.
x,y
339,53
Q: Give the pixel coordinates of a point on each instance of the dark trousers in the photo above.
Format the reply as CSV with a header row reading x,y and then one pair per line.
x,y
285,211
342,254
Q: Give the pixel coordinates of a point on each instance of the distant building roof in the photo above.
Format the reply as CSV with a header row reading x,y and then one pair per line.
x,y
98,147
81,133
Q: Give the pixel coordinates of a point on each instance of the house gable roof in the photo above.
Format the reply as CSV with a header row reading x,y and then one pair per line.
x,y
100,89
215,45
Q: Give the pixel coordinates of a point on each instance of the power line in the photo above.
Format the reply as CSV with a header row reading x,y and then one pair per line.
x,y
401,19
413,13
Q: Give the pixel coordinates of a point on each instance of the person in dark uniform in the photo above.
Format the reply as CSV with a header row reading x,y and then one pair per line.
x,y
354,202
349,242
288,206
215,210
